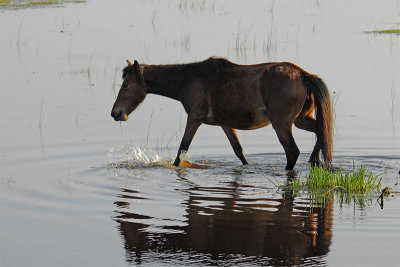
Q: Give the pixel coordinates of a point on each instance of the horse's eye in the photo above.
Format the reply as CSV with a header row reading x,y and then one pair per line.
x,y
124,85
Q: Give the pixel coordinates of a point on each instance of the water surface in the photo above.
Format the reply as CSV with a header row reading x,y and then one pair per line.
x,y
74,193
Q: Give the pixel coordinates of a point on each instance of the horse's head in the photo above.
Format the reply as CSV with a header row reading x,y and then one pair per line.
x,y
131,94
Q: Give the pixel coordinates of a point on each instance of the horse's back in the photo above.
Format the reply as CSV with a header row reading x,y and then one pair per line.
x,y
248,96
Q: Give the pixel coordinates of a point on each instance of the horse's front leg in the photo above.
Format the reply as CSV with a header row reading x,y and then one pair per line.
x,y
190,131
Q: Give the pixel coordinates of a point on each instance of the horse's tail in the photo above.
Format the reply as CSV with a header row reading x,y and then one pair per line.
x,y
322,99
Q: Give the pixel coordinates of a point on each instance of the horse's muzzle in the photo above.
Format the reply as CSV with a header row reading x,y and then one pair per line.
x,y
119,115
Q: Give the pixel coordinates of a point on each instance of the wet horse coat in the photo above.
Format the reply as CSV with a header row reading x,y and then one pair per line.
x,y
219,92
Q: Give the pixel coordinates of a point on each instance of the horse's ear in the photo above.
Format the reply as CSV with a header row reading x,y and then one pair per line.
x,y
138,71
136,66
129,63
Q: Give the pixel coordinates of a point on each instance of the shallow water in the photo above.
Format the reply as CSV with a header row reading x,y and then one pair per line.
x,y
78,189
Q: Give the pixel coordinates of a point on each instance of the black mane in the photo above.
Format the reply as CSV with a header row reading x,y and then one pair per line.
x,y
212,64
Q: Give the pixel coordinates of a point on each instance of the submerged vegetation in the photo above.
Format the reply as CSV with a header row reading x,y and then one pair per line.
x,y
32,3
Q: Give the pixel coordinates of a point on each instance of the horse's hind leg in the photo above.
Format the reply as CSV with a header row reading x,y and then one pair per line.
x,y
308,123
237,148
285,136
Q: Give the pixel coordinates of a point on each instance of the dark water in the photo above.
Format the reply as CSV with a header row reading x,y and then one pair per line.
x,y
78,189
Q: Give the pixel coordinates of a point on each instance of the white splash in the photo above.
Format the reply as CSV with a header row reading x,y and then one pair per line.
x,y
131,156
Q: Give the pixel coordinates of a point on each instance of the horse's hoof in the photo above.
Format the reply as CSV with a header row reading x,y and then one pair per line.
x,y
314,162
176,163
289,168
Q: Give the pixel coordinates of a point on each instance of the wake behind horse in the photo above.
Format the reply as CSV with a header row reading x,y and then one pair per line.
x,y
219,92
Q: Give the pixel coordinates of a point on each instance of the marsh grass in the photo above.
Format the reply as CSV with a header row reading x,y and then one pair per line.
x,y
78,114
69,53
34,3
114,80
148,130
41,116
390,31
392,109
153,19
242,40
357,187
350,185
271,9
270,47
242,37
87,71
255,39
334,100
197,6
19,34
40,125
185,41
357,181
387,31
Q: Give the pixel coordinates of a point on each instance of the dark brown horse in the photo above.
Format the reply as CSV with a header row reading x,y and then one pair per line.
x,y
245,97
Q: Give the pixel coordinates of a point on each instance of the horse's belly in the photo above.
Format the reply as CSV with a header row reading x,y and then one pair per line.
x,y
239,119
254,125
251,125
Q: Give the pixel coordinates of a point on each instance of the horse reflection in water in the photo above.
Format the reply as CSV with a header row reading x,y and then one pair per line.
x,y
238,229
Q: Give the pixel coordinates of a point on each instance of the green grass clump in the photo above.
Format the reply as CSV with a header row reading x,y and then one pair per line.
x,y
322,185
395,31
322,180
28,3
357,181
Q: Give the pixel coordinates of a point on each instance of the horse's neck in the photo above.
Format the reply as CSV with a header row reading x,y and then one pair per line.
x,y
165,82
